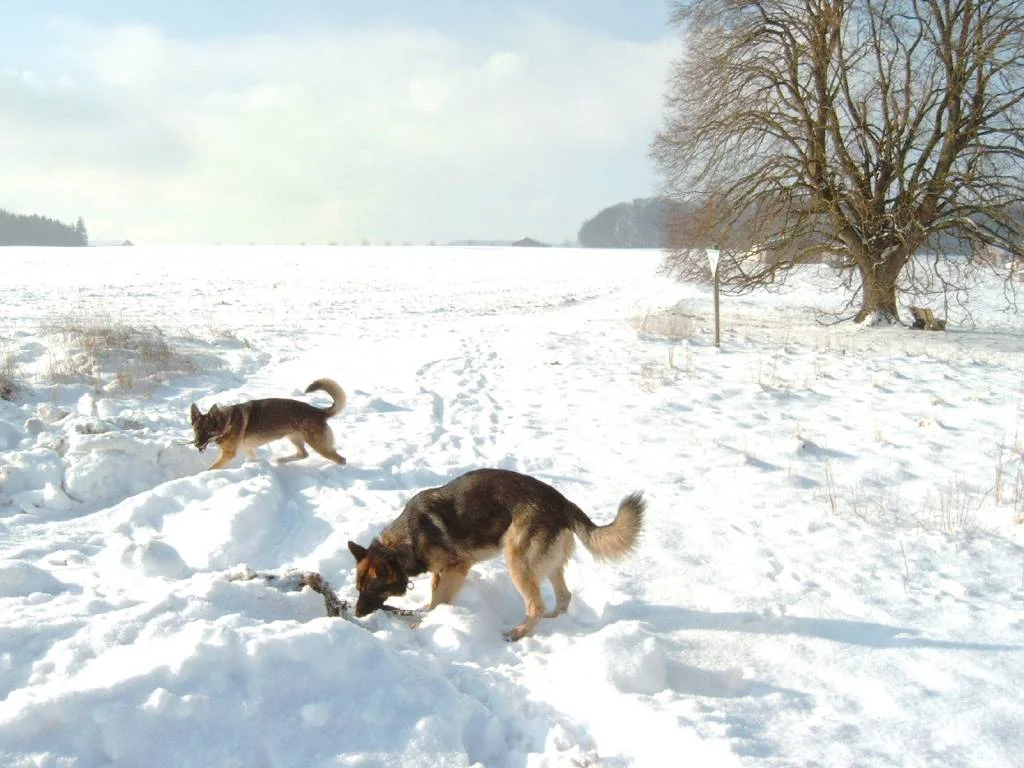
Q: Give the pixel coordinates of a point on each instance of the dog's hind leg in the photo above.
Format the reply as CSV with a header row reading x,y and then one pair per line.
x,y
560,553
323,443
300,450
526,581
562,594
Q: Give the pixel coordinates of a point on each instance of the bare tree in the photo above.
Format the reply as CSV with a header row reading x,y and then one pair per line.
x,y
864,132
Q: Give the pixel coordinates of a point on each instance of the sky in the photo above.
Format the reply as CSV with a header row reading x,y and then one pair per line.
x,y
319,121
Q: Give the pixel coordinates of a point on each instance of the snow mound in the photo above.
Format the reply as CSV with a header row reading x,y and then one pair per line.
x,y
21,579
333,693
156,558
112,465
627,656
10,436
30,470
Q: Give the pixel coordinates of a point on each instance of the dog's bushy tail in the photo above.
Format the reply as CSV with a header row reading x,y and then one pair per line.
x,y
331,388
617,539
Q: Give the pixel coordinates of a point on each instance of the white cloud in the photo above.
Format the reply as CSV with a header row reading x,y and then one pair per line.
x,y
332,134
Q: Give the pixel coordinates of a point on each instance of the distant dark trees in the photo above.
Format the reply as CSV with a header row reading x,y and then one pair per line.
x,y
637,224
16,229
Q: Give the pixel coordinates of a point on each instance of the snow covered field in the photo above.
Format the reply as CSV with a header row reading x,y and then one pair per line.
x,y
831,574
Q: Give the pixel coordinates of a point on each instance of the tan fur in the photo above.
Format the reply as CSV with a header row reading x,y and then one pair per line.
x,y
612,542
445,530
246,426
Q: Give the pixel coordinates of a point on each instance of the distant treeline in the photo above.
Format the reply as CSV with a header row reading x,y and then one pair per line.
x,y
16,229
658,223
638,224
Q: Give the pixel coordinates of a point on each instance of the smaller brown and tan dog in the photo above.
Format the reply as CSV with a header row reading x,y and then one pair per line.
x,y
246,426
474,517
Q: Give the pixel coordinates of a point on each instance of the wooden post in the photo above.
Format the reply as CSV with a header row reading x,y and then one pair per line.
x,y
718,324
713,255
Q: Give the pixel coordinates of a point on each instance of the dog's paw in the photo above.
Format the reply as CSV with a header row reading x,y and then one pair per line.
x,y
512,635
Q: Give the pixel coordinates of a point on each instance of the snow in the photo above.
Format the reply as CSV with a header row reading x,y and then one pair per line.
x,y
831,570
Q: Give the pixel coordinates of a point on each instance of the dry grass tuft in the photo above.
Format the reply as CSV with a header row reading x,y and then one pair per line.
x,y
954,508
669,325
10,379
1018,498
113,355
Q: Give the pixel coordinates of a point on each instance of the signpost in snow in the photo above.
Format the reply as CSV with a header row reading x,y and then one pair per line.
x,y
713,254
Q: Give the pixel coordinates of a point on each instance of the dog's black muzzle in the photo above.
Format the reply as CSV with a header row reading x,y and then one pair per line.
x,y
368,603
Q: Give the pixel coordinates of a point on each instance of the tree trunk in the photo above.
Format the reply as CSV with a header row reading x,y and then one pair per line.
x,y
878,292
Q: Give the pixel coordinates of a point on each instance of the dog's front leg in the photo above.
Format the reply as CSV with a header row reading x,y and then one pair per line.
x,y
223,460
446,582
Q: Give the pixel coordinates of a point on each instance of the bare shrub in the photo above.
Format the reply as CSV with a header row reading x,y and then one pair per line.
x,y
872,503
217,334
954,507
221,333
105,352
72,368
10,379
668,325
653,376
124,381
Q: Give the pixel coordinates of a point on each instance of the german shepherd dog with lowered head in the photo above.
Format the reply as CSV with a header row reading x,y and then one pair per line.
x,y
446,530
246,426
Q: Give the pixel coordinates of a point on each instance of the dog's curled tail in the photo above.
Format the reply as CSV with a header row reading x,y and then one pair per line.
x,y
617,539
330,386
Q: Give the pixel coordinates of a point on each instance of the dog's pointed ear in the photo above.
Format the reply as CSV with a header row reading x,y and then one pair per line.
x,y
357,551
194,413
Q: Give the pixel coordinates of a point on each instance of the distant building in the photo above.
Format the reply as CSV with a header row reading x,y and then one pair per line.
x,y
526,242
